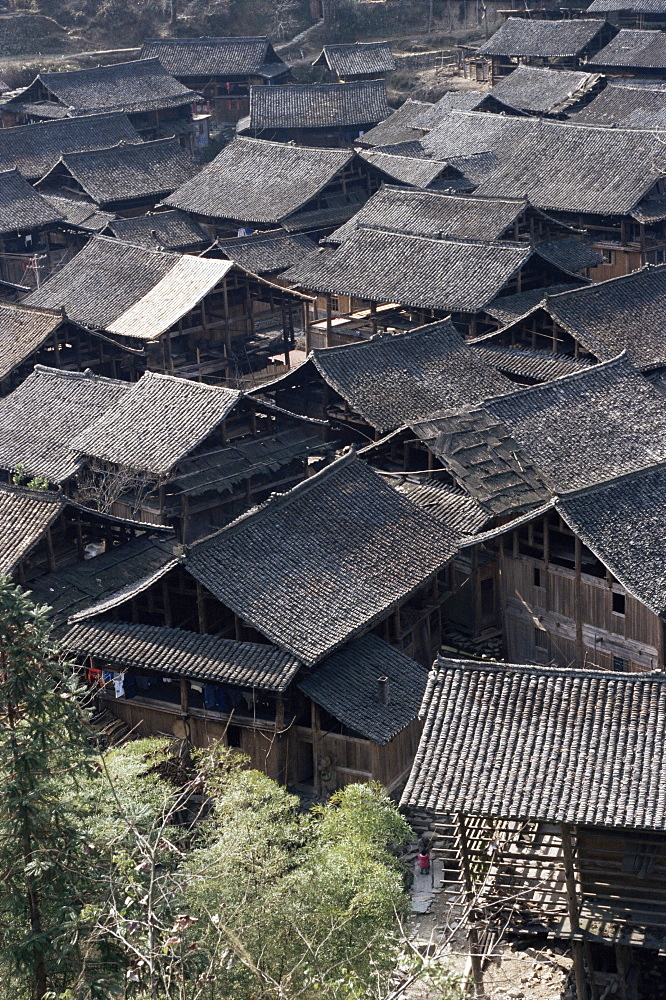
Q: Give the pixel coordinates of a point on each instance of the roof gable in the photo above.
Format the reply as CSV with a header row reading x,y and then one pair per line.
x,y
23,330
24,517
357,58
325,105
21,207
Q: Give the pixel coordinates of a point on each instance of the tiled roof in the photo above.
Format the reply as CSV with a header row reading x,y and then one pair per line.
x,y
556,165
253,181
80,214
539,743
214,56
519,36
24,517
630,104
633,47
171,230
533,88
357,59
398,127
463,100
140,85
21,207
393,380
346,686
429,213
35,148
125,171
128,290
22,331
157,422
321,105
312,568
622,522
417,171
40,419
635,6
174,652
265,253
412,270
448,503
570,254
523,361
508,308
107,580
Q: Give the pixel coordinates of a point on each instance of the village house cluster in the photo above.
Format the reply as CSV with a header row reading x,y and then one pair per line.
x,y
369,390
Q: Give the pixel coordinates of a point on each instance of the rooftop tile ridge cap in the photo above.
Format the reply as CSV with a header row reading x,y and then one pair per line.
x,y
35,493
620,361
280,498
213,39
126,143
205,386
525,248
247,139
424,330
542,122
373,84
85,376
602,284
119,244
93,69
607,484
362,151
537,669
37,310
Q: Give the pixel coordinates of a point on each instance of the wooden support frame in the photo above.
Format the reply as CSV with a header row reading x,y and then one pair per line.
x,y
472,933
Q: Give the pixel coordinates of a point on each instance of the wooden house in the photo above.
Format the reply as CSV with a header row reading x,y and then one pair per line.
x,y
631,13
386,280
172,230
626,104
30,336
162,451
127,179
156,104
566,44
366,389
221,70
539,90
606,181
357,61
27,222
250,186
335,691
172,313
398,164
34,149
328,114
402,125
543,785
596,321
633,52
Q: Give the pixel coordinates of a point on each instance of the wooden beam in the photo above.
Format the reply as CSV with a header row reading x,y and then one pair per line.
x,y
472,933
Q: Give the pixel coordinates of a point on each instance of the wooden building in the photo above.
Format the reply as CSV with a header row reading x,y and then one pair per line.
x,y
369,560
172,313
127,179
28,223
386,280
543,785
633,52
327,114
606,181
250,186
401,126
356,61
631,13
267,253
30,336
221,70
566,44
626,104
172,230
156,104
539,90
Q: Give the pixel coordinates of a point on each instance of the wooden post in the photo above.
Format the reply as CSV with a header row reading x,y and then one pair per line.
x,y
51,553
316,736
578,590
166,601
329,320
201,609
572,907
227,329
472,933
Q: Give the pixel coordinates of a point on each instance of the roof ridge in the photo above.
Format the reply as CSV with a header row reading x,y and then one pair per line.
x,y
542,122
585,373
609,483
121,144
536,669
360,345
205,386
86,376
602,284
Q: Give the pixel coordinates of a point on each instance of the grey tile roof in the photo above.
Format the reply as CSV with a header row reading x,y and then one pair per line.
x,y
35,148
107,580
570,254
522,361
140,85
508,308
627,313
416,271
21,207
22,331
632,47
448,503
622,522
519,36
589,427
485,460
125,171
80,214
635,6
631,104
263,253
40,419
398,127
312,568
393,380
172,230
463,100
127,290
537,89
539,743
357,58
242,56
429,213
24,517
174,652
416,171
253,180
321,105
345,685
157,422
558,166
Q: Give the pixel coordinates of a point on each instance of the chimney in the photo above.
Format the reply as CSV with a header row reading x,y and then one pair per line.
x,y
383,690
